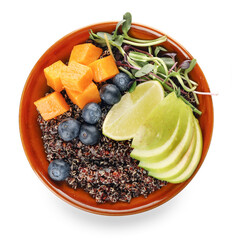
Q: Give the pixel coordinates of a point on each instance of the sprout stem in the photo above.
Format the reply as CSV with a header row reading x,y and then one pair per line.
x,y
146,44
206,93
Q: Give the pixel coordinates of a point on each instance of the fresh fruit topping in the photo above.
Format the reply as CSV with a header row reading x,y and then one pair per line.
x,y
76,76
85,53
89,134
172,157
121,80
51,106
110,94
104,69
124,118
186,165
160,125
91,113
195,158
58,170
176,168
166,142
69,129
52,74
90,94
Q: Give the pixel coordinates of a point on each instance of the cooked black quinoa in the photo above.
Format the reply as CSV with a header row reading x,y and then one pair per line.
x,y
106,171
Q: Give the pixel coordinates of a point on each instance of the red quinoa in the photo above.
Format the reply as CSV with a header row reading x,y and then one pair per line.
x,y
106,171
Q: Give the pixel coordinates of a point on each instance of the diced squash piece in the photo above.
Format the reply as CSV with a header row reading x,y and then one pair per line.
x,y
76,76
85,53
51,105
104,69
52,74
91,94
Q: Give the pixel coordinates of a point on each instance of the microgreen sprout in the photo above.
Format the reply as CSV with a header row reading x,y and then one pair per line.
x,y
142,63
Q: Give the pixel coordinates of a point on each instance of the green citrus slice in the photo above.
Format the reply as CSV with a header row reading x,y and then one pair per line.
x,y
125,117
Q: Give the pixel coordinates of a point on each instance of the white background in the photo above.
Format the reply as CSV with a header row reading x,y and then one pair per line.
x,y
28,209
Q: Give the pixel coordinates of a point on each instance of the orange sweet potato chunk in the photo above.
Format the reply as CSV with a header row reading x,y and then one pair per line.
x,y
85,53
76,76
52,74
104,69
51,106
91,94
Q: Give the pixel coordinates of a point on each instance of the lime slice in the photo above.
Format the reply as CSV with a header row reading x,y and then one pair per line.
x,y
125,117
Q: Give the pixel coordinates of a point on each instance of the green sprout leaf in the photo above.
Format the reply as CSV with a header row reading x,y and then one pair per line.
x,y
127,23
102,35
191,66
144,70
117,27
118,40
168,61
158,49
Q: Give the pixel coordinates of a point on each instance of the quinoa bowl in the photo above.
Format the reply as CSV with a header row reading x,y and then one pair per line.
x,y
155,192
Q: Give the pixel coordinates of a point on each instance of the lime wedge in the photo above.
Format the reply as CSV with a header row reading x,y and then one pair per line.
x,y
125,117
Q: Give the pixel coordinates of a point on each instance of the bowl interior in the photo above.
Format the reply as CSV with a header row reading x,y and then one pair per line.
x,y
36,87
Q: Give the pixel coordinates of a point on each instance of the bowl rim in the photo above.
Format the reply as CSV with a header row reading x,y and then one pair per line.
x,y
87,207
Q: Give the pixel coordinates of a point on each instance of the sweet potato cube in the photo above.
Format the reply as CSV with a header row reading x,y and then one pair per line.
x,y
51,106
104,69
85,53
76,76
91,94
52,74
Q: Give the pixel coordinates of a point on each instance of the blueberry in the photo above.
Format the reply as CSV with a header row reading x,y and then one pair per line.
x,y
58,170
121,80
89,134
68,129
110,94
91,113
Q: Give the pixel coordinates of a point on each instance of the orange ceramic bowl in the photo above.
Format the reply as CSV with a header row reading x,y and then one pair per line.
x,y
36,87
